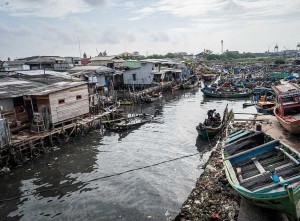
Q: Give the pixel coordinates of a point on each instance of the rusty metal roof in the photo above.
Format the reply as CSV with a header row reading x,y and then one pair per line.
x,y
285,88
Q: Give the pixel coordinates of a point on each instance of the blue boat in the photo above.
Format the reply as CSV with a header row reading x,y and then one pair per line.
x,y
265,107
264,171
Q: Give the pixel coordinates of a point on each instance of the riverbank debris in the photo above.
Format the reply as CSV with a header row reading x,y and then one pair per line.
x,y
212,198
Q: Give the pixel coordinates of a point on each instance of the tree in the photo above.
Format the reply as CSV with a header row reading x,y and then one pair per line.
x,y
84,55
279,61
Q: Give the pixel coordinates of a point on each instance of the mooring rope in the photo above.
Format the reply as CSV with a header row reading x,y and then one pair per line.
x,y
99,178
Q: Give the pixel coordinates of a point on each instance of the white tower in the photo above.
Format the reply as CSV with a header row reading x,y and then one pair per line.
x,y
221,46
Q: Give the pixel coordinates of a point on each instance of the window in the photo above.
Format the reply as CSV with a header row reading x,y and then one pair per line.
x,y
61,101
78,97
134,77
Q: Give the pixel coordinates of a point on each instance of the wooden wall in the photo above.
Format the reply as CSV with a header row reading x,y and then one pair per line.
x,y
72,107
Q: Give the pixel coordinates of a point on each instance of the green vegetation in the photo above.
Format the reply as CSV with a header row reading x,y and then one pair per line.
x,y
279,61
228,56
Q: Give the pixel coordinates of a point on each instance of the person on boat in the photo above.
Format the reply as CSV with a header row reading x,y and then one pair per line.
x,y
216,117
210,114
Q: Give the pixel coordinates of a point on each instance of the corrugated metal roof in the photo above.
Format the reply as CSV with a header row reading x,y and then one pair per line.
x,y
132,64
50,77
89,69
284,88
154,60
13,63
49,89
104,58
11,87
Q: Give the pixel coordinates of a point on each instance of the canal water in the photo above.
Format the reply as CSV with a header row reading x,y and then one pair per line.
x,y
143,174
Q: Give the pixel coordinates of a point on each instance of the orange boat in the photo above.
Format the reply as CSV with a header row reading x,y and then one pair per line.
x,y
287,110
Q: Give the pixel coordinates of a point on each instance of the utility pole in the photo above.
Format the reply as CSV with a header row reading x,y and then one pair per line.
x,y
79,47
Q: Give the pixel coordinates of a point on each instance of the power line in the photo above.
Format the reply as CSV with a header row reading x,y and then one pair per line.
x,y
99,178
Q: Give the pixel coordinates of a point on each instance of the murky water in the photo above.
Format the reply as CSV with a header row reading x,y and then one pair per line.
x,y
74,182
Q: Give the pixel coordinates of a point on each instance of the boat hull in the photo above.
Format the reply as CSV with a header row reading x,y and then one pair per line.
x,y
189,86
264,111
151,99
281,203
262,170
293,128
206,133
219,95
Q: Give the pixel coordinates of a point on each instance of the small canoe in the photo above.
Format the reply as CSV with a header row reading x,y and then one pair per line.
x,y
247,105
190,84
206,130
131,123
264,171
151,99
177,87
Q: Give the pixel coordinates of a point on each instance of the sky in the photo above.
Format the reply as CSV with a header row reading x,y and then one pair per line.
x,y
59,27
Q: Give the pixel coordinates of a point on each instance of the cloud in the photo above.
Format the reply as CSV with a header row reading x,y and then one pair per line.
x,y
19,31
159,37
49,8
143,13
225,9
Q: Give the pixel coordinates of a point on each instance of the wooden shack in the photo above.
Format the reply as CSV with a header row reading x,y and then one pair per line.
x,y
12,105
59,102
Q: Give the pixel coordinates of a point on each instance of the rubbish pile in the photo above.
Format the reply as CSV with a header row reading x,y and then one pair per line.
x,y
212,198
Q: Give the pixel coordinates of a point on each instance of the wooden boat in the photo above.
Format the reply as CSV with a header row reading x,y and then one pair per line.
x,y
126,102
262,170
190,84
287,111
210,129
177,87
226,92
149,99
248,105
131,123
265,107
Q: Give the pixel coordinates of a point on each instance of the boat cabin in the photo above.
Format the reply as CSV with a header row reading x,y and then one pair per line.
x,y
288,99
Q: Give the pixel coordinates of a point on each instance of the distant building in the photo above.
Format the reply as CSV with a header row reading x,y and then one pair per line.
x,y
98,75
114,62
73,60
14,66
189,56
138,73
149,71
47,62
181,53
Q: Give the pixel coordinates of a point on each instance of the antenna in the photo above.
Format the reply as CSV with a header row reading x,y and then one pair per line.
x,y
79,47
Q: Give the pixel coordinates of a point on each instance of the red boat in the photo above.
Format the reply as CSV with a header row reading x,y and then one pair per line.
x,y
287,110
